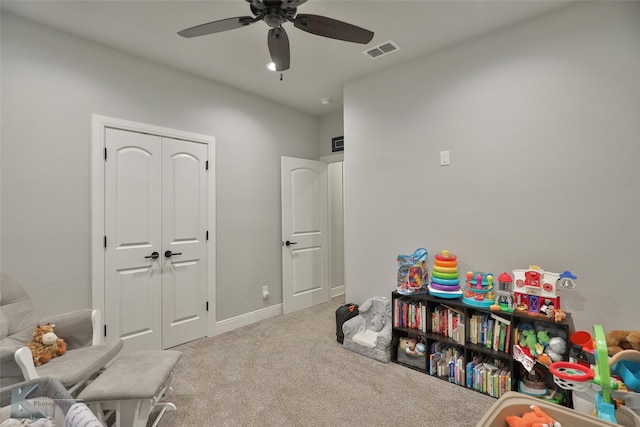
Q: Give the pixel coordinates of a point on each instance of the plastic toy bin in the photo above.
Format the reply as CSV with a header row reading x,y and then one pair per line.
x,y
514,403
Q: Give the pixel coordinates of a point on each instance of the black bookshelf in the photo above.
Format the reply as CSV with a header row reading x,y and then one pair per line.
x,y
460,344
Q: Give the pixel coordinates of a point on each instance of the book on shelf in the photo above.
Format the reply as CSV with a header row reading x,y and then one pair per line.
x,y
408,314
503,336
489,338
449,323
507,341
490,378
501,319
496,335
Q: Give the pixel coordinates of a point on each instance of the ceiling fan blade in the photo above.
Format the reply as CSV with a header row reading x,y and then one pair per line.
x,y
278,42
332,28
217,26
292,3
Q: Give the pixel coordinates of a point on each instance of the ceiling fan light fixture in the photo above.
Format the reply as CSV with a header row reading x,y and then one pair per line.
x,y
271,66
275,13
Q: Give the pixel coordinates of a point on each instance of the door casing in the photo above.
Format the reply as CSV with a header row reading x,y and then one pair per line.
x,y
99,124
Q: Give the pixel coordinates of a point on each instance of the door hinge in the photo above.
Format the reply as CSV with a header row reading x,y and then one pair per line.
x,y
105,330
105,154
105,241
206,165
207,234
207,305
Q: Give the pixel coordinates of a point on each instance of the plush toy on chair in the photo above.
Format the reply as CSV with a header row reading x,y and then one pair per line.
x,y
46,344
369,333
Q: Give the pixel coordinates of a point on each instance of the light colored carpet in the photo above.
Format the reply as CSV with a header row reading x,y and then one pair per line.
x,y
290,371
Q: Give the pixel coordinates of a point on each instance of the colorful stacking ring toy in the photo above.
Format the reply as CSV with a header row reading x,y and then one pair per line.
x,y
450,282
444,288
445,282
437,274
445,269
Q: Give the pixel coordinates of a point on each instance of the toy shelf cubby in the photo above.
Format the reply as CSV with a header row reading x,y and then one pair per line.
x,y
455,334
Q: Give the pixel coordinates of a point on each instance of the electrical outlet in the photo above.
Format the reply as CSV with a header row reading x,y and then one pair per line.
x,y
265,292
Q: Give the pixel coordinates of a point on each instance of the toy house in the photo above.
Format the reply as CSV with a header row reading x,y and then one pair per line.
x,y
536,291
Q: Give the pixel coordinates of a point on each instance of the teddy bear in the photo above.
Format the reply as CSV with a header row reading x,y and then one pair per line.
x,y
46,344
408,345
412,347
536,418
619,340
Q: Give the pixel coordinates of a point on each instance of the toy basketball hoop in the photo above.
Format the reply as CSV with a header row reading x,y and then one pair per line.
x,y
571,376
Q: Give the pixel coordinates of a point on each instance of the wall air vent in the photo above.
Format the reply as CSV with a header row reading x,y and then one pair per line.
x,y
381,50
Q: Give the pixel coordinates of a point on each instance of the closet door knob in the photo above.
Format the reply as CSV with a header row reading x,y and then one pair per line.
x,y
169,254
288,243
154,255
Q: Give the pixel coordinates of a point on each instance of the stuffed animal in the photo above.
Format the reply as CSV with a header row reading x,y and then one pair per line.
x,y
408,345
619,340
543,337
535,418
528,340
46,344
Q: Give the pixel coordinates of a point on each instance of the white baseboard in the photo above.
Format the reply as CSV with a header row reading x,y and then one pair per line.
x,y
247,319
338,290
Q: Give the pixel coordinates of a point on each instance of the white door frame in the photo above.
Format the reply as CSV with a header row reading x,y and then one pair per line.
x,y
340,290
98,126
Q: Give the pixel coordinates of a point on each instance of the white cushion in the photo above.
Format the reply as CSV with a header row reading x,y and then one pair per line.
x,y
366,338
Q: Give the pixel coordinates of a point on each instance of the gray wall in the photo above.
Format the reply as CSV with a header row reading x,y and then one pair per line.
x,y
52,83
331,125
542,121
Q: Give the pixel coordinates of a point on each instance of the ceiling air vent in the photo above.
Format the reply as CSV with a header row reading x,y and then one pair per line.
x,y
381,50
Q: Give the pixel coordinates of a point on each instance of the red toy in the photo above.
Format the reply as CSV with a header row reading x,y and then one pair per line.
x,y
535,418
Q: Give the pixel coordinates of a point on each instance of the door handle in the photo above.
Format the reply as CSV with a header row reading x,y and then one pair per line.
x,y
288,243
169,254
154,255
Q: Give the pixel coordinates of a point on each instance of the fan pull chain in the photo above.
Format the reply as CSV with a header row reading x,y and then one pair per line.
x,y
280,76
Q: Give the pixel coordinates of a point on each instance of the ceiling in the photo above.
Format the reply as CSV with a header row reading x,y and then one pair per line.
x,y
237,58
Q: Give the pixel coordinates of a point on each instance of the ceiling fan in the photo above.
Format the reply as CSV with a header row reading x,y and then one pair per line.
x,y
277,12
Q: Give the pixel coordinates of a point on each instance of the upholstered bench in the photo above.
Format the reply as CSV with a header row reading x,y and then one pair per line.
x,y
132,387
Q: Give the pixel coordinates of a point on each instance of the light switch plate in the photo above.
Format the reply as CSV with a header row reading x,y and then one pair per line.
x,y
444,158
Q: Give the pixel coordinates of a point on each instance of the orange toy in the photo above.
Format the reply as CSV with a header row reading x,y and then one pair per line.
x,y
535,418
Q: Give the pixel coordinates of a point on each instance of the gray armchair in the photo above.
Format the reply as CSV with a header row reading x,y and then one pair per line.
x,y
369,333
86,354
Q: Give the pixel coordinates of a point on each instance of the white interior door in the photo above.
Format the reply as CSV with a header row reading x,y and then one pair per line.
x,y
184,249
155,202
305,261
133,278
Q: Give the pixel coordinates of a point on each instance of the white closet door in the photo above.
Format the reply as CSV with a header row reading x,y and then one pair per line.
x,y
184,228
155,231
133,233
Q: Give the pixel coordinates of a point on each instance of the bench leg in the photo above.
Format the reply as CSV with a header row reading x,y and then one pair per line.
x,y
166,406
130,413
